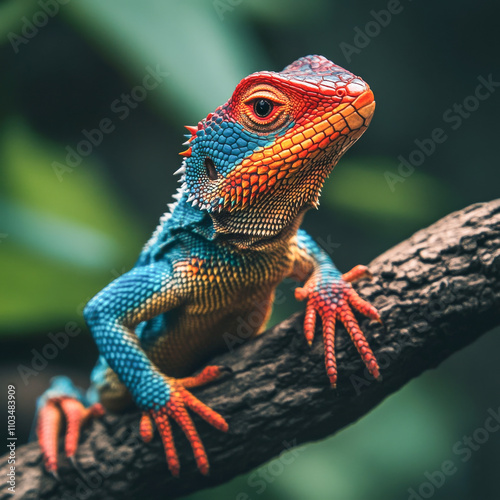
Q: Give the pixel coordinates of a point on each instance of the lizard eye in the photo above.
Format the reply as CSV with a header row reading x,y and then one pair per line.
x,y
263,107
210,169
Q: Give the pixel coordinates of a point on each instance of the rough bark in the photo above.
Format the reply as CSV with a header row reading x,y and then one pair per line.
x,y
436,292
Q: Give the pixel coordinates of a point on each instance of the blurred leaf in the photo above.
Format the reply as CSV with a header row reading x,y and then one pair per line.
x,y
11,14
283,12
390,454
189,40
60,234
360,187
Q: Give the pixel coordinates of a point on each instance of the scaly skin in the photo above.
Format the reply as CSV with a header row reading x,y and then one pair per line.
x,y
252,169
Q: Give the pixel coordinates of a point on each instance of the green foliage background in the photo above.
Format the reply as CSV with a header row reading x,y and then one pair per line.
x,y
63,238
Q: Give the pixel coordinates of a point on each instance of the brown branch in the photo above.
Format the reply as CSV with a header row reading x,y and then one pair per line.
x,y
437,292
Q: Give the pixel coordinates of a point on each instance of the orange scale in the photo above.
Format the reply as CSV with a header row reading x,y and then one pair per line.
x,y
321,126
298,138
324,143
318,138
309,132
338,126
307,144
262,179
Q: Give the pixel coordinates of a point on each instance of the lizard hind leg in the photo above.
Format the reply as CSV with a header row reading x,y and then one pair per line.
x,y
62,402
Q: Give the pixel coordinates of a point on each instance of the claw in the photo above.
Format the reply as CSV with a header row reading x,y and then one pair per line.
x,y
362,305
74,412
205,412
357,273
49,425
183,419
310,323
329,343
334,303
176,408
357,336
301,293
207,375
146,428
163,425
55,475
47,429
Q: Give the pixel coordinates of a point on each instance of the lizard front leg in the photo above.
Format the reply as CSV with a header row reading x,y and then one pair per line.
x,y
330,294
112,315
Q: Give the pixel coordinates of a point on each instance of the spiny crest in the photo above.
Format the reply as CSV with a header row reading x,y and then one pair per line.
x,y
181,190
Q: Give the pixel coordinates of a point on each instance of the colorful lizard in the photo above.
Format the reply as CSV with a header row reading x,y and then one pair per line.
x,y
252,169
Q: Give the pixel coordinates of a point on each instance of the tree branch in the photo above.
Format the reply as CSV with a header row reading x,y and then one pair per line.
x,y
436,292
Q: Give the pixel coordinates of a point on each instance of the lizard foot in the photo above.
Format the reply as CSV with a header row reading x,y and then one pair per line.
x,y
49,424
333,299
176,408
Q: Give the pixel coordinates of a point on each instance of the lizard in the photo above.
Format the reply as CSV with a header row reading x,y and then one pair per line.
x,y
250,172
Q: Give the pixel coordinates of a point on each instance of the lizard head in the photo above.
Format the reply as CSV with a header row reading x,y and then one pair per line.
x,y
260,160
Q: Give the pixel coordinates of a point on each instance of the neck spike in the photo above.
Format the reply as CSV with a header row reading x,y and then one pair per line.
x,y
186,153
192,130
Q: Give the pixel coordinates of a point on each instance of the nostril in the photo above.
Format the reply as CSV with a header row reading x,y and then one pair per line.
x,y
341,92
210,169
